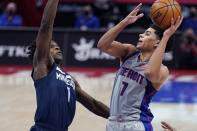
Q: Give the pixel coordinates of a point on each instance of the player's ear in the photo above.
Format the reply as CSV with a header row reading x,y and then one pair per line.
x,y
156,43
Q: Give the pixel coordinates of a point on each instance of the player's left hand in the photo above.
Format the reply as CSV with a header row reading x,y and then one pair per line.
x,y
167,127
133,17
174,26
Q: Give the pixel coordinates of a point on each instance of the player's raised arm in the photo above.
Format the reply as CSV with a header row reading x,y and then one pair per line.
x,y
90,103
155,72
44,36
107,43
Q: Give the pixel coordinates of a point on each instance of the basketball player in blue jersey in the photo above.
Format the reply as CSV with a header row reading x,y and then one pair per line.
x,y
140,75
56,91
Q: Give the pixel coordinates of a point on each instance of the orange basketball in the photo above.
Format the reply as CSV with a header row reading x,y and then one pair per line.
x,y
162,11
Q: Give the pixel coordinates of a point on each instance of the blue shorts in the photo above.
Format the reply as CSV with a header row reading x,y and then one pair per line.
x,y
43,127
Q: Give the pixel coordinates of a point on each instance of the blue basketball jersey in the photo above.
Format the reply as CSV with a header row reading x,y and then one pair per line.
x,y
56,100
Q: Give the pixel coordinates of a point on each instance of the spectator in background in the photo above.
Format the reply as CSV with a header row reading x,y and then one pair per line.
x,y
9,17
87,20
188,50
105,8
191,21
31,10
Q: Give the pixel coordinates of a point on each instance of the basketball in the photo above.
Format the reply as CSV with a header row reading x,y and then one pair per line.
x,y
162,11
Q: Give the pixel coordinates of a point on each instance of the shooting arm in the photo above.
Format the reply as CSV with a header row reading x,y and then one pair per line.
x,y
155,72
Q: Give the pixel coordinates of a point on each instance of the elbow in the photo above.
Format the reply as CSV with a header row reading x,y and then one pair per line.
x,y
102,46
99,45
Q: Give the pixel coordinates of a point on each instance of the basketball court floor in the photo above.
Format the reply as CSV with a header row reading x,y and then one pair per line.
x,y
18,103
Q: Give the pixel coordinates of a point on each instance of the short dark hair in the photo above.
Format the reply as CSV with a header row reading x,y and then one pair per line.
x,y
31,50
159,32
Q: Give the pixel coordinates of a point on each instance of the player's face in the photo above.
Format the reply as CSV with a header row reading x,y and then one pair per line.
x,y
148,40
56,52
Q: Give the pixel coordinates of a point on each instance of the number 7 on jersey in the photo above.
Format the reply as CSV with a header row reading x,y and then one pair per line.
x,y
125,85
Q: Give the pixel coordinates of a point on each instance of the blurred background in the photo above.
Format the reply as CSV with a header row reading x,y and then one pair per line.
x,y
78,26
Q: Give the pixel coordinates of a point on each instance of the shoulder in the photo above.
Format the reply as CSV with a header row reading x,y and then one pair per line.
x,y
42,69
130,49
129,46
77,86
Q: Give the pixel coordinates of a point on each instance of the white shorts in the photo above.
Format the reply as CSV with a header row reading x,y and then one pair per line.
x,y
125,126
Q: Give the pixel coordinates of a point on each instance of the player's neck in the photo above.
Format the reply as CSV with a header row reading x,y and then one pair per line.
x,y
58,63
145,56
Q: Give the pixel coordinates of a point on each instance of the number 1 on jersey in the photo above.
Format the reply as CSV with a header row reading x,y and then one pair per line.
x,y
125,85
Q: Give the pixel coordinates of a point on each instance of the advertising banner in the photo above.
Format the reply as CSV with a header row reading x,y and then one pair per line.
x,y
82,51
79,48
151,1
134,1
13,47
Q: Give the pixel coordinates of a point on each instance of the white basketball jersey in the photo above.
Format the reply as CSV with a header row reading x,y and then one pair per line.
x,y
132,92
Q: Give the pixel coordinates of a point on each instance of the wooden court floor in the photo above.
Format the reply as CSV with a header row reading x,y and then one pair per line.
x,y
17,105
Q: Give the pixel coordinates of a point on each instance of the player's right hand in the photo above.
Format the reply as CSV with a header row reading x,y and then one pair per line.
x,y
174,26
167,127
133,17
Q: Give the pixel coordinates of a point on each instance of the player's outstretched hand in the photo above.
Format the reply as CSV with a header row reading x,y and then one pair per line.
x,y
174,26
133,17
167,127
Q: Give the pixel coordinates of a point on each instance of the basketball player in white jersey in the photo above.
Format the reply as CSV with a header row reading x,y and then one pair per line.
x,y
140,75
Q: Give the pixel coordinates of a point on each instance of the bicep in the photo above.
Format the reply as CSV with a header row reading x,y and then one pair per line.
x,y
164,72
43,41
118,49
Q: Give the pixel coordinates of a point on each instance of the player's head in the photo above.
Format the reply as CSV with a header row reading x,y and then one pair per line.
x,y
149,40
55,51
